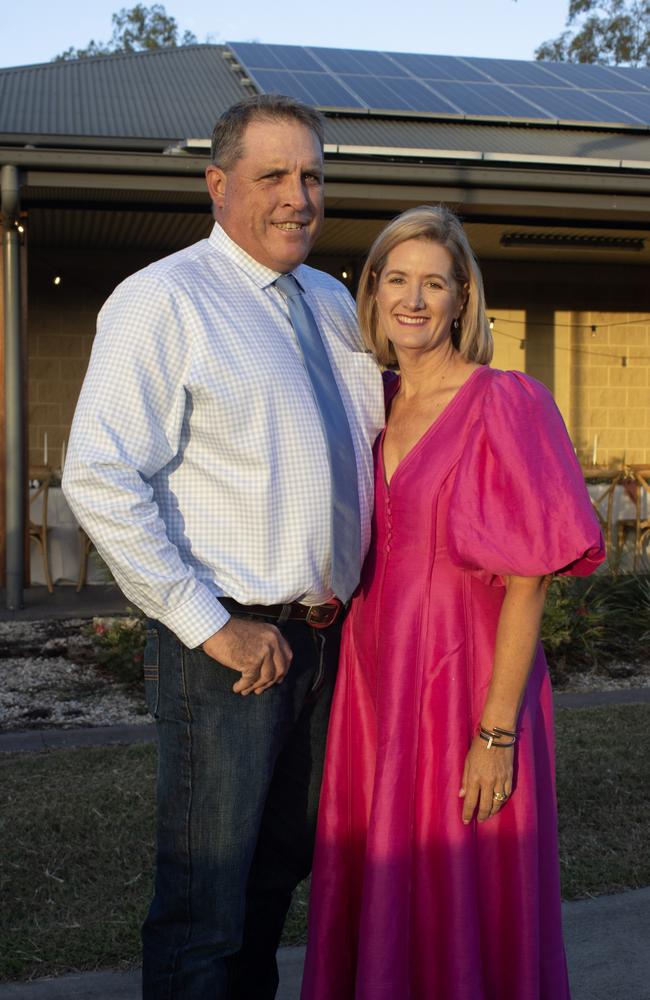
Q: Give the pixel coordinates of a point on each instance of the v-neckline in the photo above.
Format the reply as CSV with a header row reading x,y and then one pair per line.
x,y
435,423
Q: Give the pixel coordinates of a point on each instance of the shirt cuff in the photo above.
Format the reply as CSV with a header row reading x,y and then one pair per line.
x,y
197,618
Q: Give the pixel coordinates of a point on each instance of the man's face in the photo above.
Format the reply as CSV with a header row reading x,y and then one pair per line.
x,y
270,201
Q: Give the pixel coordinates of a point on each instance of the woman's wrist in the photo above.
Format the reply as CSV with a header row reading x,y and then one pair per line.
x,y
497,737
501,716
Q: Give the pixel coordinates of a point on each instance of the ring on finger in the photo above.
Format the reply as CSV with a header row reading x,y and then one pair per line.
x,y
499,796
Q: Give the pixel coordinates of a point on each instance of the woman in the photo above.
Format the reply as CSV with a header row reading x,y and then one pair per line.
x,y
436,871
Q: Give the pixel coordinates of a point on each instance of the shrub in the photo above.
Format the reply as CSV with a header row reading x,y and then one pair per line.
x,y
118,644
596,622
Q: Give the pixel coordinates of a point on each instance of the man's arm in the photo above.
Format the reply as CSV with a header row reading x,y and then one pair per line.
x,y
126,428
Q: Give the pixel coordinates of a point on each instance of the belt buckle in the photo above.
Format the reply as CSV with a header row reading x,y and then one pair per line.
x,y
324,615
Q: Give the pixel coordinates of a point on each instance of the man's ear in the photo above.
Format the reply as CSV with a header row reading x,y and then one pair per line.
x,y
216,179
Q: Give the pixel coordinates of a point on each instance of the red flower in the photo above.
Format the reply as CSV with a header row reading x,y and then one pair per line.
x,y
100,629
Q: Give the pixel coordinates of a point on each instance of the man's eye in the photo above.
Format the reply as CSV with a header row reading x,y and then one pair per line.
x,y
313,178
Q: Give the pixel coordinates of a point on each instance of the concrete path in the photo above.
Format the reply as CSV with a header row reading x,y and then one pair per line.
x,y
65,602
23,741
606,939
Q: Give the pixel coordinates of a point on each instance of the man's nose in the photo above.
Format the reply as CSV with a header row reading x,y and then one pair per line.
x,y
296,191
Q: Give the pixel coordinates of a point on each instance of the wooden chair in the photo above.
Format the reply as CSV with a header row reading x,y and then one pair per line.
x,y
603,505
640,523
85,548
37,531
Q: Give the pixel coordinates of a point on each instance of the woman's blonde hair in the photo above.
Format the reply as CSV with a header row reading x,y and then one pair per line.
x,y
438,224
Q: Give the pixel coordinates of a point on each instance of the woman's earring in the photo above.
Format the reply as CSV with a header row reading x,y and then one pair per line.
x,y
455,326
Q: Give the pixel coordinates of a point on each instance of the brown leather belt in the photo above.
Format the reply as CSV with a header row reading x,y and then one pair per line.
x,y
316,615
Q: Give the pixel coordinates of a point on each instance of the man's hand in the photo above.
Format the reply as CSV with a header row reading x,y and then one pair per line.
x,y
257,650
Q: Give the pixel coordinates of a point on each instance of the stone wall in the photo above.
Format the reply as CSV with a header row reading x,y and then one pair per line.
x,y
610,386
597,393
61,328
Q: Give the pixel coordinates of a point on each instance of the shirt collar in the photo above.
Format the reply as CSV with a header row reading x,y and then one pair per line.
x,y
259,274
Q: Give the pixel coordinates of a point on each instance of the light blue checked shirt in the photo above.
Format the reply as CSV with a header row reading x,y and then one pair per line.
x,y
197,462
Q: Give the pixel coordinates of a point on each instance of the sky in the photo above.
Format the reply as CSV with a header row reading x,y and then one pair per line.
x,y
41,29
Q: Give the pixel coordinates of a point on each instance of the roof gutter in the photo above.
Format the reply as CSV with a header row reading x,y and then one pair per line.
x,y
188,164
404,153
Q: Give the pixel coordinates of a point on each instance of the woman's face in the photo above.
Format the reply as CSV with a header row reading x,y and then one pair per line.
x,y
417,296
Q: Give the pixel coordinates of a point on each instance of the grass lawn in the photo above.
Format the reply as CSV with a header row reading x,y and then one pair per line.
x,y
77,839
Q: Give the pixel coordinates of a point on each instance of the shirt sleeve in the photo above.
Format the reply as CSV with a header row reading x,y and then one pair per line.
x,y
519,505
127,426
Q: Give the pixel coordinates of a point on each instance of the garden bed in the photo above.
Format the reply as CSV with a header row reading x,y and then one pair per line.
x,y
72,672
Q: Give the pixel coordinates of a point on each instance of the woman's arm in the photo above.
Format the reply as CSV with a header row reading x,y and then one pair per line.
x,y
489,771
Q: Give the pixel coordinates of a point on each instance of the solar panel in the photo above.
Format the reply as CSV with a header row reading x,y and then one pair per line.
x,y
584,75
295,58
433,84
487,99
377,93
636,104
438,67
575,105
260,56
367,63
513,71
399,92
314,88
624,78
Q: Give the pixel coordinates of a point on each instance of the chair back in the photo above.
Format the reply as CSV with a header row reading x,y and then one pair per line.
x,y
642,495
603,504
43,476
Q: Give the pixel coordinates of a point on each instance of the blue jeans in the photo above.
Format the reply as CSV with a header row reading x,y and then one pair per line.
x,y
238,785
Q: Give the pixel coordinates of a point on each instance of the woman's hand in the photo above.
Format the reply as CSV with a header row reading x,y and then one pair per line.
x,y
487,773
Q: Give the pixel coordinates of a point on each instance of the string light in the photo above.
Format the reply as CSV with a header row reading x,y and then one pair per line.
x,y
574,326
56,280
577,350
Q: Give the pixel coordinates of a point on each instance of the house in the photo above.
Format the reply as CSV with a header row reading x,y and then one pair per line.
x,y
102,164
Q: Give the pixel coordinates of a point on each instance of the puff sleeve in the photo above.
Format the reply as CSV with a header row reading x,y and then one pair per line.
x,y
519,505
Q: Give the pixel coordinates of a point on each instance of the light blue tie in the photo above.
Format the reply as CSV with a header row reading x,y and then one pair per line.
x,y
345,519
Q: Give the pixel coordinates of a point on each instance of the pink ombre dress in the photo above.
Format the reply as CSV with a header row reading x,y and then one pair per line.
x,y
407,902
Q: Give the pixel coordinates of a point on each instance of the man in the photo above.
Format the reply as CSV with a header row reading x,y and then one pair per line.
x,y
211,450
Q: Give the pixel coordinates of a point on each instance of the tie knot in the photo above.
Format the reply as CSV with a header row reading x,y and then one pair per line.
x,y
288,285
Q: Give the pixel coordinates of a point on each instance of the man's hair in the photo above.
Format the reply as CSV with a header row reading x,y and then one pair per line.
x,y
228,133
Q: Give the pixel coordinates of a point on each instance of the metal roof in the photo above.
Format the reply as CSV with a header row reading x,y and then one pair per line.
x,y
534,140
159,99
167,95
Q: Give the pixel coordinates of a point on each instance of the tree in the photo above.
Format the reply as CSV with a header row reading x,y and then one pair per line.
x,y
140,29
603,31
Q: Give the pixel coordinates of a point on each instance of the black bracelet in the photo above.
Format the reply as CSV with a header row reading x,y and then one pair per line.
x,y
491,735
